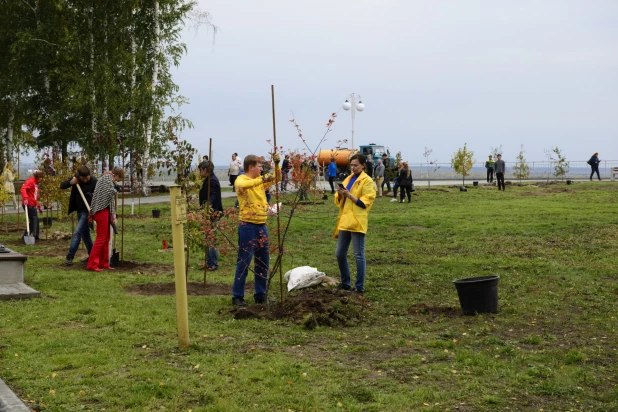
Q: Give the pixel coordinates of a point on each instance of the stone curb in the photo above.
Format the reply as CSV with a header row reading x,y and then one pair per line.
x,y
9,402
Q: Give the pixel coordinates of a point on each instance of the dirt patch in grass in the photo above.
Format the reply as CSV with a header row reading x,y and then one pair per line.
x,y
424,309
128,267
193,289
312,308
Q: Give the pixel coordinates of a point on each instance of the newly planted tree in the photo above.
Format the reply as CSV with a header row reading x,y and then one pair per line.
x,y
431,164
462,161
559,162
521,170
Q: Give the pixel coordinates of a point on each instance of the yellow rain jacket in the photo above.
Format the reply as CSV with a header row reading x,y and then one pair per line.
x,y
251,199
352,217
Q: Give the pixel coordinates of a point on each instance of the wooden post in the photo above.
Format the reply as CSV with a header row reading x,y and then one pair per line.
x,y
280,251
178,218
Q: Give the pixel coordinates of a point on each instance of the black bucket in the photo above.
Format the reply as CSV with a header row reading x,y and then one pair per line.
x,y
156,213
47,221
478,295
475,183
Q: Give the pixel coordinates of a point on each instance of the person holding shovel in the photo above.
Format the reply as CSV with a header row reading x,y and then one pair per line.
x,y
79,203
103,212
210,199
30,195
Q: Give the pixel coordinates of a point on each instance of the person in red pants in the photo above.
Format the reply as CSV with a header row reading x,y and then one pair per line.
x,y
103,212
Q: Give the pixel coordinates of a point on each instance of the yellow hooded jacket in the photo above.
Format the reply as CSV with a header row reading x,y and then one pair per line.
x,y
352,217
251,199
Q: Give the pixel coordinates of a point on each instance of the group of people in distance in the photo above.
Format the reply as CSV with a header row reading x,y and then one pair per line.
x,y
498,167
92,200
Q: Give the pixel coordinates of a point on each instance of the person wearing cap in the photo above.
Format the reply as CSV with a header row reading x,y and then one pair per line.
x,y
594,163
210,199
489,165
500,168
234,170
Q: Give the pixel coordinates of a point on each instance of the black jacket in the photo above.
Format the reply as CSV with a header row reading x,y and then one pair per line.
x,y
405,178
75,201
215,193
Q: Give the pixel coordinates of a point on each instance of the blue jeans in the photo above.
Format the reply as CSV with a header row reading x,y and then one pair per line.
x,y
212,259
386,182
252,243
358,247
82,232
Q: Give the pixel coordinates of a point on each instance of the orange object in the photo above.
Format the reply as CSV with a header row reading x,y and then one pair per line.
x,y
164,244
342,157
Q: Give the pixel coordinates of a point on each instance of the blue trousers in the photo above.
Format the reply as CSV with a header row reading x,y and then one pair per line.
x,y
358,247
212,259
82,232
252,243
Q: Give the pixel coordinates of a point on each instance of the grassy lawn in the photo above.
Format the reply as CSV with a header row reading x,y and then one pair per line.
x,y
89,344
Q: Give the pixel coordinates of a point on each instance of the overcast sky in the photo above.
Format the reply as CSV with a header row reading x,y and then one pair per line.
x,y
431,73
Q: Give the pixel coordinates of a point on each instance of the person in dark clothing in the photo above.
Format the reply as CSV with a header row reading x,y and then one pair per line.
x,y
500,168
594,163
369,166
285,169
87,184
387,175
405,183
210,197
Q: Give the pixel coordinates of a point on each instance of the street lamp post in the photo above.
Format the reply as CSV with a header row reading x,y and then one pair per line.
x,y
354,103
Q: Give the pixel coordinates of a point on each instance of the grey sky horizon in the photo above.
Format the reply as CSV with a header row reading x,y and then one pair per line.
x,y
433,74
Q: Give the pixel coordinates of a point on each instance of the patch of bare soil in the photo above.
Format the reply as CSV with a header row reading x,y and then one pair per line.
x,y
312,308
424,309
139,268
193,289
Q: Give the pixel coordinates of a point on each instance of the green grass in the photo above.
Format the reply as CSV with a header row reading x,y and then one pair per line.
x,y
87,344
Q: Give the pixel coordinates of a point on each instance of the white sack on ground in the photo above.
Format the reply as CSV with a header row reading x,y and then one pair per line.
x,y
303,277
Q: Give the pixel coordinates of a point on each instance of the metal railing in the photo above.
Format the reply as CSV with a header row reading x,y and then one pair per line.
x,y
539,170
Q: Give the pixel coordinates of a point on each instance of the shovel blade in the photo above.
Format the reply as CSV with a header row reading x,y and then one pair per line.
x,y
114,261
29,240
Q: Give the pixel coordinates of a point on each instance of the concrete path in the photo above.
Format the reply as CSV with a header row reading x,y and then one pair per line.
x,y
9,402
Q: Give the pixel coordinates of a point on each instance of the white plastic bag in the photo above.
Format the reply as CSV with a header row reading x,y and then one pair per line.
x,y
273,209
303,277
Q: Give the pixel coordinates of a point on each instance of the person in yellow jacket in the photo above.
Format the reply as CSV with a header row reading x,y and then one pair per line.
x,y
252,231
354,197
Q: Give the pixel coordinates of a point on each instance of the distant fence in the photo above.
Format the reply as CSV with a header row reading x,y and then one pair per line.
x,y
542,170
578,169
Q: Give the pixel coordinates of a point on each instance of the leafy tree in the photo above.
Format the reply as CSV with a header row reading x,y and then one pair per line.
x,y
462,161
521,170
561,166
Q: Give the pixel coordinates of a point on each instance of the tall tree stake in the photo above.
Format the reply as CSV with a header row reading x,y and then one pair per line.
x,y
272,92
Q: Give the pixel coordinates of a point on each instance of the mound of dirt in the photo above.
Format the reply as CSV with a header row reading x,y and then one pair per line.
x,y
140,268
312,308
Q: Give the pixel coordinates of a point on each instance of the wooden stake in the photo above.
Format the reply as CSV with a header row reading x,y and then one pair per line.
x,y
272,92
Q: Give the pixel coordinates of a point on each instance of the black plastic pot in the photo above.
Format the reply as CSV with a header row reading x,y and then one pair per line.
x,y
569,181
478,294
156,213
47,221
475,183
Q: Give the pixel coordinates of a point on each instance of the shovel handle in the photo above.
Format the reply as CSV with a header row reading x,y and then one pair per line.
x,y
79,189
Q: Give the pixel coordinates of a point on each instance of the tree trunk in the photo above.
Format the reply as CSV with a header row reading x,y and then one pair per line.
x,y
155,77
8,142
